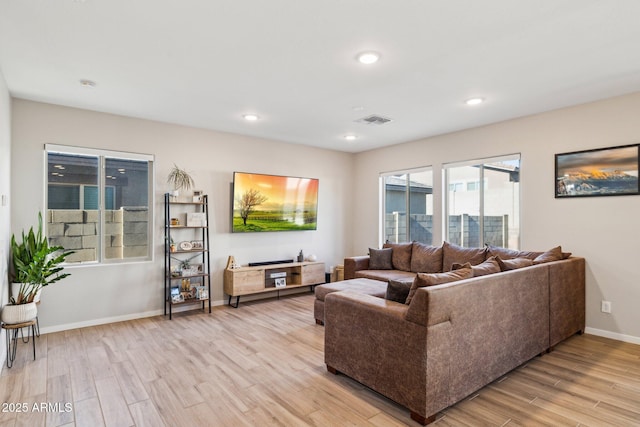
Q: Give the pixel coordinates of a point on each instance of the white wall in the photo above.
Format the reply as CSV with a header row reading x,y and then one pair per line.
x,y
5,192
94,294
604,230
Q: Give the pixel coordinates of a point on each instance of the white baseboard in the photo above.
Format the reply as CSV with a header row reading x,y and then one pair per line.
x,y
114,319
613,335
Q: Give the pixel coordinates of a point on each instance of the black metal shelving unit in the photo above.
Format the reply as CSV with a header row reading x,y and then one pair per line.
x,y
175,255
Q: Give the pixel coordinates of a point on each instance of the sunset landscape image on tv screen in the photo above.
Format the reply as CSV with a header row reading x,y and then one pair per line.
x,y
274,203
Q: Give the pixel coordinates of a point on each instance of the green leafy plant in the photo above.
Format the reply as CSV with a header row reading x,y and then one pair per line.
x,y
35,263
180,178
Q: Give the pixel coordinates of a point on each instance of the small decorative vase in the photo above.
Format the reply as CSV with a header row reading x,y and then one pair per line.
x,y
20,313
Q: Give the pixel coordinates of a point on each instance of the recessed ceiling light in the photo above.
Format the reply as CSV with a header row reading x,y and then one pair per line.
x,y
350,137
251,117
474,101
87,83
368,57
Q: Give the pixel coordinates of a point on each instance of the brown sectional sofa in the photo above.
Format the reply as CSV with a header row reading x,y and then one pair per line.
x,y
451,339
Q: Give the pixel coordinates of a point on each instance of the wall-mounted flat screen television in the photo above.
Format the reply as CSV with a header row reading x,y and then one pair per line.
x,y
273,203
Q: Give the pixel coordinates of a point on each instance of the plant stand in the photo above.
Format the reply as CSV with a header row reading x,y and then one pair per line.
x,y
12,331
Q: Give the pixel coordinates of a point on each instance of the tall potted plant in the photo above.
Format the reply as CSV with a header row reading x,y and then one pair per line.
x,y
35,265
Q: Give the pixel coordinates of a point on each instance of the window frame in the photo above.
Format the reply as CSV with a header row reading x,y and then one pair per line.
x,y
383,199
481,190
102,156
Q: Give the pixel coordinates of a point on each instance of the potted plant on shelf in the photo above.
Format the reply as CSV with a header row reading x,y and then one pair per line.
x,y
180,179
35,265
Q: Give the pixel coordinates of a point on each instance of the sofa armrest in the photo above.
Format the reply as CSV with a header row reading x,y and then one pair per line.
x,y
353,264
368,339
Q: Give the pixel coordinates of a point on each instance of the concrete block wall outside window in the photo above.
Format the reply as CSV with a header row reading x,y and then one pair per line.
x,y
125,233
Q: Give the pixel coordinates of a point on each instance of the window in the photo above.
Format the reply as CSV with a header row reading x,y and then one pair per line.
x,y
488,213
408,206
99,203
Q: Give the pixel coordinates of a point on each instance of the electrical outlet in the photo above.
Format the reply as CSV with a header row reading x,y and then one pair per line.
x,y
606,307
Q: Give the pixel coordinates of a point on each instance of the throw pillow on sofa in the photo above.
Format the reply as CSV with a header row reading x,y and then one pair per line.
x,y
431,279
453,253
401,257
505,253
380,259
514,263
490,266
426,258
398,291
553,254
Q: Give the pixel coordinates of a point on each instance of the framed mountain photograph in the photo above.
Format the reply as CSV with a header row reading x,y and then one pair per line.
x,y
601,172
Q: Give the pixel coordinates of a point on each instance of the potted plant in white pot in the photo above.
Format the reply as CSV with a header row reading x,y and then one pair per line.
x,y
35,265
180,179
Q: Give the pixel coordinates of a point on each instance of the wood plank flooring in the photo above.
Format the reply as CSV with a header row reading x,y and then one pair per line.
x,y
262,365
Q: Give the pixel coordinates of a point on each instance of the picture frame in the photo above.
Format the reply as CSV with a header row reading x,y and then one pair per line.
x,y
280,282
197,267
196,219
609,171
202,293
176,296
197,244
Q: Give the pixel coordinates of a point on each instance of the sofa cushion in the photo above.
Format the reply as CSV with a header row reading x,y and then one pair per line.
x,y
386,275
553,254
514,263
426,258
489,266
431,279
398,290
361,286
380,259
453,253
401,257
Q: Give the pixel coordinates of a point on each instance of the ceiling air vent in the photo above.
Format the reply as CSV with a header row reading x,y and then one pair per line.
x,y
374,120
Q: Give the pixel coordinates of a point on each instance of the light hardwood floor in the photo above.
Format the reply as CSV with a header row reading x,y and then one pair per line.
x,y
262,364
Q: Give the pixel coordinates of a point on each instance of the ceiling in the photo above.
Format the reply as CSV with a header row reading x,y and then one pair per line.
x,y
205,63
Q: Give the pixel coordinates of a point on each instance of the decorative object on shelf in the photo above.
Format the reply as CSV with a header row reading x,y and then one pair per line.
x,y
176,271
197,196
185,246
231,263
281,282
196,219
312,258
197,244
175,221
180,179
202,293
35,265
176,296
611,171
300,256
